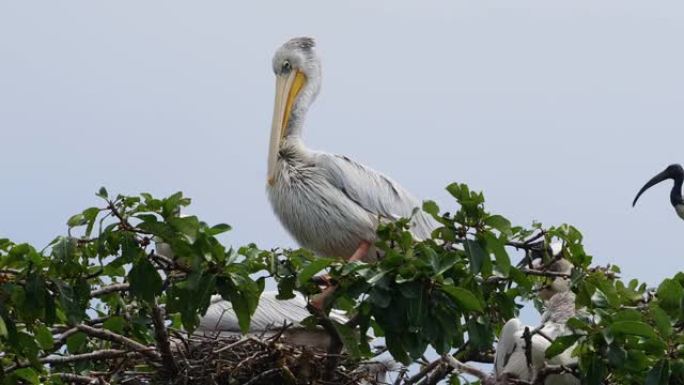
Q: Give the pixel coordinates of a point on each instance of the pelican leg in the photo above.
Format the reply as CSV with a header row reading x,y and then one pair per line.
x,y
318,301
360,252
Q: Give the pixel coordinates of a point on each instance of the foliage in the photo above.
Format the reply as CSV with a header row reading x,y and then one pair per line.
x,y
98,293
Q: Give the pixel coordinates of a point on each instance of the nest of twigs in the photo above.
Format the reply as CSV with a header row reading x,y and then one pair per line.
x,y
258,360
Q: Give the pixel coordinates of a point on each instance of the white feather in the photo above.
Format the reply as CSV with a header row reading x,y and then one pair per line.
x,y
268,319
511,359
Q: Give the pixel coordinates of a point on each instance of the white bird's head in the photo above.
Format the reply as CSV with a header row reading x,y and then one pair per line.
x,y
298,80
558,284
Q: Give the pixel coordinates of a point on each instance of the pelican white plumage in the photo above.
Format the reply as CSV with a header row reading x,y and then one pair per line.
x,y
328,203
511,358
268,319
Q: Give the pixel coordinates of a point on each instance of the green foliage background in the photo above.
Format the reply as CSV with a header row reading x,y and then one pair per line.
x,y
452,292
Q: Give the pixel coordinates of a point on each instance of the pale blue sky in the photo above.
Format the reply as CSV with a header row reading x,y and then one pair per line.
x,y
558,111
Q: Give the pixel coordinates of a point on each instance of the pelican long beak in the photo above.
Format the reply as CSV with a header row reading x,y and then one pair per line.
x,y
665,175
288,87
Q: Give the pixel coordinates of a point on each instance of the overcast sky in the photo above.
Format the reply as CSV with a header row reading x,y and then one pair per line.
x,y
559,112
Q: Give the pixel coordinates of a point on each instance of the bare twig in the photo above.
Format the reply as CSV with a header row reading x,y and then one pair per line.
x,y
424,372
113,288
162,338
113,337
467,369
104,354
70,377
542,273
262,376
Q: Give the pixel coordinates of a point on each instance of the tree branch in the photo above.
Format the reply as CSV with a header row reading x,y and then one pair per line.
x,y
467,369
162,338
113,288
113,337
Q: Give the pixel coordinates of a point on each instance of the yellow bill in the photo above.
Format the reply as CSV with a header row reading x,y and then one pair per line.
x,y
288,87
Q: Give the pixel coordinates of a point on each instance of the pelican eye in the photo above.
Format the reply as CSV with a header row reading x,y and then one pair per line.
x,y
286,67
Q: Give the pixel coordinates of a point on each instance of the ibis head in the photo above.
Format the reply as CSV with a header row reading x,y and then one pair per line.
x,y
674,172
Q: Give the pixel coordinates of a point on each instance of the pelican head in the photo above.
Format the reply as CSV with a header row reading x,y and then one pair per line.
x,y
674,172
298,79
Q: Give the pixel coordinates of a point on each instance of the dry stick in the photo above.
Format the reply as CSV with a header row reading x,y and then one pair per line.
x,y
541,273
262,375
113,337
162,338
104,354
423,372
238,343
170,262
463,368
70,377
554,369
110,289
59,341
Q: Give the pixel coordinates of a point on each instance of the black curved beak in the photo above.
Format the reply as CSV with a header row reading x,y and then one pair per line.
x,y
665,175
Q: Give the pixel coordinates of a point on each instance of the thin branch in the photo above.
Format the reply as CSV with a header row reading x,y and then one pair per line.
x,y
238,343
467,369
424,372
263,375
113,337
550,274
173,265
162,338
554,369
104,354
113,288
70,377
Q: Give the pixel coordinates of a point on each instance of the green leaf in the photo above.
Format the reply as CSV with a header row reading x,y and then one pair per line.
x,y
145,280
102,193
660,374
635,328
241,309
431,208
312,269
500,223
662,321
3,328
349,339
560,345
44,337
28,374
476,255
669,295
76,220
496,246
76,342
218,229
115,324
90,215
466,300
186,225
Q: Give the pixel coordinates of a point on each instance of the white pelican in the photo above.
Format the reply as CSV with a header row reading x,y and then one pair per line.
x,y
511,359
676,173
268,319
328,203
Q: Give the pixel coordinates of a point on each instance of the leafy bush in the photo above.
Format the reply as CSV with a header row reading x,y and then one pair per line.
x,y
84,307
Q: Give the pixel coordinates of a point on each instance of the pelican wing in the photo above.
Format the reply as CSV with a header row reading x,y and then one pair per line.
x,y
270,314
374,192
